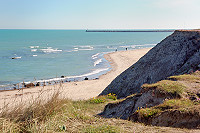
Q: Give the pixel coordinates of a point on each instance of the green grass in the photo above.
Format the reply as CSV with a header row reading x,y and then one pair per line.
x,y
186,77
176,104
103,99
166,86
183,105
102,129
148,112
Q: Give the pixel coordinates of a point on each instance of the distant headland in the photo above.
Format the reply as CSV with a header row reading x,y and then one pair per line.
x,y
156,30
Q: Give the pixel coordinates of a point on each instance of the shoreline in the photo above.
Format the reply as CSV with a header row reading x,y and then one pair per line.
x,y
90,75
78,90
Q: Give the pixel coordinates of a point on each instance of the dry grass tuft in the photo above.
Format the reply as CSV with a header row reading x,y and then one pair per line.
x,y
186,77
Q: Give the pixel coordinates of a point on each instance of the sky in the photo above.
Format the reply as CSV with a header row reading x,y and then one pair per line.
x,y
99,14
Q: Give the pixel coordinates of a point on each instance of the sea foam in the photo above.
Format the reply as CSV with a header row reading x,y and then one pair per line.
x,y
86,48
34,46
97,62
95,56
33,50
50,50
89,74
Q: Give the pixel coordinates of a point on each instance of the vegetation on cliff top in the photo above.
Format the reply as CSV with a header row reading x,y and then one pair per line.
x,y
188,105
183,105
166,86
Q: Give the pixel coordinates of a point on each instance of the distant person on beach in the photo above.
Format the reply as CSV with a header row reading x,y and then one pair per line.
x,y
116,50
126,48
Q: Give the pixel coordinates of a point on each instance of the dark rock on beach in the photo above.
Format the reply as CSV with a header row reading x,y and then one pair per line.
x,y
86,78
29,85
38,84
177,54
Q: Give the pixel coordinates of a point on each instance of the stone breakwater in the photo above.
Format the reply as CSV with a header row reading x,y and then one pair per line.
x,y
177,54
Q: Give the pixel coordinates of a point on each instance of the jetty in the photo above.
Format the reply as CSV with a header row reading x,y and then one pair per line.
x,y
130,30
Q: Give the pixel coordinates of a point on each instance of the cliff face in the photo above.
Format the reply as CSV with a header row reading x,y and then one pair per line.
x,y
179,53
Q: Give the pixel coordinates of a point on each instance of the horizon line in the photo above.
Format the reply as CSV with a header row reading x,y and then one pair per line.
x,y
92,29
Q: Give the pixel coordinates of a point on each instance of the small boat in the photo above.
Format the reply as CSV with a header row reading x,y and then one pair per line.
x,y
16,57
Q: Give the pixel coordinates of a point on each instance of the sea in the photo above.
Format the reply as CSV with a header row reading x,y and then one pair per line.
x,y
46,56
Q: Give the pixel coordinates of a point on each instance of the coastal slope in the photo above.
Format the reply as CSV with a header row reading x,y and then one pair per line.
x,y
177,54
173,103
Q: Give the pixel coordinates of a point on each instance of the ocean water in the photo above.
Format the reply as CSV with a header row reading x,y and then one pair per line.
x,y
44,55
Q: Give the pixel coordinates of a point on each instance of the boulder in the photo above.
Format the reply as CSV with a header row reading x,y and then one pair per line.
x,y
29,85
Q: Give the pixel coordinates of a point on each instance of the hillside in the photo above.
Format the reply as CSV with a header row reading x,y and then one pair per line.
x,y
174,102
177,54
64,115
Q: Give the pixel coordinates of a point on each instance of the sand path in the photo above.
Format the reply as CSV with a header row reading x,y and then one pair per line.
x,y
119,61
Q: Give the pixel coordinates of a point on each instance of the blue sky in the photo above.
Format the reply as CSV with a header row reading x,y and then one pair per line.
x,y
99,14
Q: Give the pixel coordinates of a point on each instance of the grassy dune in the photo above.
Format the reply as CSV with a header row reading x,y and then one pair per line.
x,y
64,115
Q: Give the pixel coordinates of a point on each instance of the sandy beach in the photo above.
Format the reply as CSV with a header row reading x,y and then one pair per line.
x,y
119,61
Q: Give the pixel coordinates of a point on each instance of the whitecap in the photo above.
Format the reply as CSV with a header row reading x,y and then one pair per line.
x,y
108,47
85,49
97,62
33,50
50,50
124,46
34,46
132,46
87,46
95,56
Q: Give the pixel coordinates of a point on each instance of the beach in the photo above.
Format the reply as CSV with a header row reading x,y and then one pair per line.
x,y
79,90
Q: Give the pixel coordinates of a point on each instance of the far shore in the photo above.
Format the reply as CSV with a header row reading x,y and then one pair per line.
x,y
80,90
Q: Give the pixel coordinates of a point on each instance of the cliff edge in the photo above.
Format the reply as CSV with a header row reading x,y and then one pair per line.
x,y
177,54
